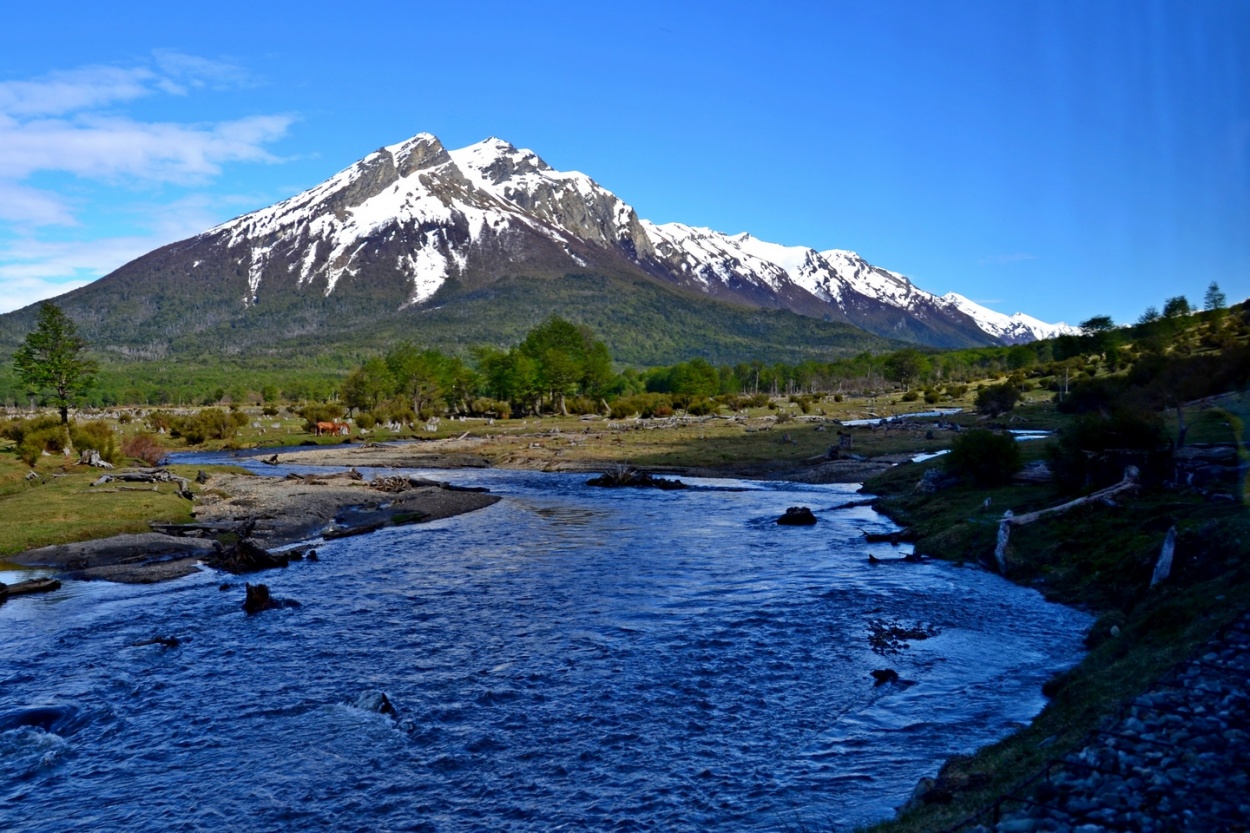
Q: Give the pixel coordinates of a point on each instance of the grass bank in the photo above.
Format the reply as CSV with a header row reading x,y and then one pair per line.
x,y
1099,557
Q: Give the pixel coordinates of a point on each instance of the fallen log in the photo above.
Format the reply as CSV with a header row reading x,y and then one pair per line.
x,y
24,588
348,532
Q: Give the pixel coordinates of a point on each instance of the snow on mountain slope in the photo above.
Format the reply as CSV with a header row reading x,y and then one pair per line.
x,y
435,214
1010,329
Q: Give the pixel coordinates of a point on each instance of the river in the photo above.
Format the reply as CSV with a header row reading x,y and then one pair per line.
x,y
568,659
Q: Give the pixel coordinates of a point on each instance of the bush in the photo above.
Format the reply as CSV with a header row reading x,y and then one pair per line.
x,y
97,436
17,429
366,420
1093,449
911,396
645,405
997,399
208,424
701,407
932,396
144,446
986,457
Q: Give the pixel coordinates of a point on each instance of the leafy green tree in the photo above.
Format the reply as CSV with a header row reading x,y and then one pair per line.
x,y
569,360
367,385
997,399
1176,307
51,360
986,457
421,375
1097,324
906,365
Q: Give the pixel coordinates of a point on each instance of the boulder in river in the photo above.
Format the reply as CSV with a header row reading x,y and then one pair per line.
x,y
622,476
885,675
258,600
797,516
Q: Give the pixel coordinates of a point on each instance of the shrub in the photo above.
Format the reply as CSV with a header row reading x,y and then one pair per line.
x,y
932,396
366,420
144,446
701,407
837,397
269,411
160,420
986,457
16,430
208,424
997,399
956,391
911,396
579,405
97,436
645,405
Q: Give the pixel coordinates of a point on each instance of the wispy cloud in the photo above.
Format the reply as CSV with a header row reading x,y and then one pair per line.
x,y
1003,260
66,122
75,123
32,269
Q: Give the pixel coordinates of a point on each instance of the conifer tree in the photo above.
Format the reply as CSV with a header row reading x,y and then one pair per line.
x,y
51,360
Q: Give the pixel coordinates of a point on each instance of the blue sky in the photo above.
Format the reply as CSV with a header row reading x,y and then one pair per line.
x,y
1065,159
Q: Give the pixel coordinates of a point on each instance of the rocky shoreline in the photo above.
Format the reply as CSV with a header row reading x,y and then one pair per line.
x,y
1176,758
279,511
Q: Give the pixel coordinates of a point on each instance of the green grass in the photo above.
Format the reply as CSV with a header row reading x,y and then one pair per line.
x,y
62,506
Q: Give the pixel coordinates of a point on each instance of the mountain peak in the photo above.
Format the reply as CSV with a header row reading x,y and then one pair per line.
x,y
421,151
494,161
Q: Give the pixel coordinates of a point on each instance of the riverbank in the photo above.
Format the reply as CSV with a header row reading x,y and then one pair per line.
x,y
279,512
1100,557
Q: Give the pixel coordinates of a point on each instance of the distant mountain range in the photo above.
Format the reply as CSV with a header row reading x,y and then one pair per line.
x,y
480,243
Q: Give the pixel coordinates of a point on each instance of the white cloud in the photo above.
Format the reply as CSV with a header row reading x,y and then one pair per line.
x,y
33,270
109,148
20,292
75,123
19,204
59,123
73,90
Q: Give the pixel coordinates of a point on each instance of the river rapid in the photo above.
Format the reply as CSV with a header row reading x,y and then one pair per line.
x,y
570,658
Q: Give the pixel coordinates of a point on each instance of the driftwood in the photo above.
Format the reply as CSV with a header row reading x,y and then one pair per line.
x,y
853,504
1128,484
147,476
1010,519
348,532
23,588
900,536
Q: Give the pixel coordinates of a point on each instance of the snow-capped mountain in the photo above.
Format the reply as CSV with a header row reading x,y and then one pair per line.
x,y
466,215
1009,329
476,246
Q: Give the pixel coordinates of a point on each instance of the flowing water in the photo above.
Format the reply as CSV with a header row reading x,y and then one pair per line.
x,y
568,659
